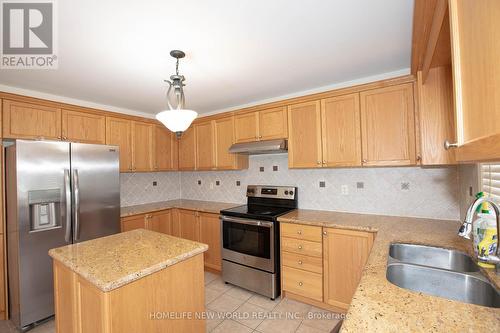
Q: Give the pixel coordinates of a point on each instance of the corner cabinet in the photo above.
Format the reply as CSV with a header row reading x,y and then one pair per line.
x,y
388,126
322,266
187,150
166,149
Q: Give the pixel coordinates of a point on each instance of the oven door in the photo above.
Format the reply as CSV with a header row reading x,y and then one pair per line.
x,y
248,242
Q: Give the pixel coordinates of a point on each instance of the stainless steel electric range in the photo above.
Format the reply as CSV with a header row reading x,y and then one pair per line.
x,y
250,239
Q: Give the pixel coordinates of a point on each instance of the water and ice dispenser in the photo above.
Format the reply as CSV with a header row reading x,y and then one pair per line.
x,y
45,209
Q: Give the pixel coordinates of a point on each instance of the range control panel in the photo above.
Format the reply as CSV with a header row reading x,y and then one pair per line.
x,y
277,192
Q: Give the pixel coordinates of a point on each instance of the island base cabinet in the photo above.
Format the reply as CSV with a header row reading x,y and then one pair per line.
x,y
145,305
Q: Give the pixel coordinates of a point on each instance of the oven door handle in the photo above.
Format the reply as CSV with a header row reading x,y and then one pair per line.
x,y
247,221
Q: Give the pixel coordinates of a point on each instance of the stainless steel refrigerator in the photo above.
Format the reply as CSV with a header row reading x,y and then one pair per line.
x,y
58,193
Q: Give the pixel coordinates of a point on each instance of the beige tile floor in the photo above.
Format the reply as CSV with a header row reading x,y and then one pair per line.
x,y
235,310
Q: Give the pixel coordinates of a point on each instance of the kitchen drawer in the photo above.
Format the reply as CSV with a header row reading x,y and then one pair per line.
x,y
306,263
303,247
303,283
301,231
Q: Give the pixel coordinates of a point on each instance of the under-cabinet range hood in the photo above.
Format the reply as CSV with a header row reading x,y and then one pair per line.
x,y
260,147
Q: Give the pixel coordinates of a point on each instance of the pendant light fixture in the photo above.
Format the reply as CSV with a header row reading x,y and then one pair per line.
x,y
177,119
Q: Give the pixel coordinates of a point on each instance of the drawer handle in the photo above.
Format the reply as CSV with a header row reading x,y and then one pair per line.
x,y
301,284
300,247
300,262
299,232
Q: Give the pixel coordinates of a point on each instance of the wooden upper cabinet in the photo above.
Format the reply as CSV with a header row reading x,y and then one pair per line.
x,y
304,135
245,127
187,150
83,127
273,124
261,125
223,139
475,44
345,253
341,131
30,121
210,234
436,116
119,133
388,126
166,152
205,155
142,146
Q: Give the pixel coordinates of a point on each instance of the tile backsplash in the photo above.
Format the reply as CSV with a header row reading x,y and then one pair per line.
x,y
408,191
138,188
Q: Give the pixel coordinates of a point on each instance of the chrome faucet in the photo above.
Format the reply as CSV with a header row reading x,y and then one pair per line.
x,y
466,228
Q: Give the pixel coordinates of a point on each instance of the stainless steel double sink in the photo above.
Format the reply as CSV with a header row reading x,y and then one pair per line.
x,y
440,272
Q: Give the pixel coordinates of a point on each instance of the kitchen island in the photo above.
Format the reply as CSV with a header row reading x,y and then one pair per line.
x,y
136,281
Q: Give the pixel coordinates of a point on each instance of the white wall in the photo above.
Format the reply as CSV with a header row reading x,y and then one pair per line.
x,y
433,192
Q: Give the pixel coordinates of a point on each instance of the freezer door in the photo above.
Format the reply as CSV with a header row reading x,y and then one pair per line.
x,y
95,178
37,188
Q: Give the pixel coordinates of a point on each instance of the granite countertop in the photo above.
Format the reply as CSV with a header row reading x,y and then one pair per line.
x,y
378,305
113,261
201,206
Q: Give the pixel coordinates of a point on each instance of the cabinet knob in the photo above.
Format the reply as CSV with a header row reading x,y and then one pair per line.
x,y
324,233
301,284
260,136
300,247
364,160
419,158
319,162
300,262
448,145
59,137
324,162
299,232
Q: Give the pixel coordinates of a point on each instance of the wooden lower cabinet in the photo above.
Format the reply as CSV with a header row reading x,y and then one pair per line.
x,y
345,253
134,222
188,224
83,308
3,293
210,234
322,266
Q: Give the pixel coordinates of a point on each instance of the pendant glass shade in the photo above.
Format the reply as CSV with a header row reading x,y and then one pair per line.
x,y
177,120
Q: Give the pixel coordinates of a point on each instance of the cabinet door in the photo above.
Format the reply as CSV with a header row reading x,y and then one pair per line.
x,y
119,133
161,222
345,253
30,121
142,146
436,116
210,234
166,156
134,222
304,135
273,124
187,150
189,225
224,138
83,127
341,131
245,127
475,43
205,159
388,126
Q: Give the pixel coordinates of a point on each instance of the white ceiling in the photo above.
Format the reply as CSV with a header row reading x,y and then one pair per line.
x,y
115,52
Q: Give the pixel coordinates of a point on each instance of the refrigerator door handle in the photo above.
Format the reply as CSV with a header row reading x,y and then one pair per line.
x,y
76,206
67,193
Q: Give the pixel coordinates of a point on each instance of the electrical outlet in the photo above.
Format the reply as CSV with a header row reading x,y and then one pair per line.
x,y
238,183
199,182
344,189
275,168
155,183
217,182
322,183
261,169
211,185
